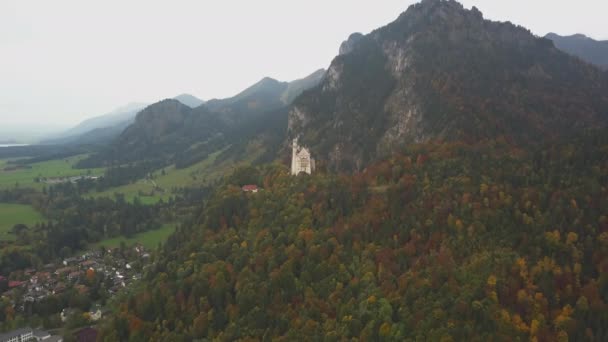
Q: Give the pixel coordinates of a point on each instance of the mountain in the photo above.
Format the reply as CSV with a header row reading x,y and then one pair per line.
x,y
587,49
189,100
100,128
297,87
441,72
263,95
267,94
442,242
115,117
163,129
170,131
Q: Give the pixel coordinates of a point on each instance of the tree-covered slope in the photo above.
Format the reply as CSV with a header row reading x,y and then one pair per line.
x,y
443,72
443,241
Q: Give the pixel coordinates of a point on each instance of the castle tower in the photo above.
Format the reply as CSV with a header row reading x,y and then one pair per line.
x,y
301,160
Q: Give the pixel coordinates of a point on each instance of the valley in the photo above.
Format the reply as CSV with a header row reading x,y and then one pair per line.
x,y
444,179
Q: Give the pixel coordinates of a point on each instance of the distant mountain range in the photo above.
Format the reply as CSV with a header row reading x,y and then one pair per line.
x,y
104,128
438,72
265,95
588,49
99,128
169,131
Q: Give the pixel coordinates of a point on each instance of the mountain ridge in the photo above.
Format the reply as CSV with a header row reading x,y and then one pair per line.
x,y
98,128
169,131
588,49
440,71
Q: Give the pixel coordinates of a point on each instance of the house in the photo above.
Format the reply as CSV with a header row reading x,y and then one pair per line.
x,y
73,275
70,261
54,338
14,283
88,264
41,335
250,188
95,313
86,335
19,335
59,288
301,160
64,270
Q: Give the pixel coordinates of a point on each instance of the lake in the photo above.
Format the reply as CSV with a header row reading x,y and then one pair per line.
x,y
12,145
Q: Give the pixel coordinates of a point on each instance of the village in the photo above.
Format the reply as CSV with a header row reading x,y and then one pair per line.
x,y
108,270
61,180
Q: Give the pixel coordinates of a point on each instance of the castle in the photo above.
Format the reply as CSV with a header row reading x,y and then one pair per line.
x,y
301,161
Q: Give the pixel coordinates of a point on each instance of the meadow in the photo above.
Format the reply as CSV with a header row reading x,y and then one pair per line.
x,y
201,173
12,214
25,177
149,239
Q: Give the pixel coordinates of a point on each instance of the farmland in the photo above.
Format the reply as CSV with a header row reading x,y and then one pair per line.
x,y
149,239
201,173
25,176
12,214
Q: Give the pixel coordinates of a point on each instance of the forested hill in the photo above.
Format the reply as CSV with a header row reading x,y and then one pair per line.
x,y
451,241
474,206
441,71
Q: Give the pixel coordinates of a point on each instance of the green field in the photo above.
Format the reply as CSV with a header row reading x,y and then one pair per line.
x,y
149,239
12,214
47,169
200,173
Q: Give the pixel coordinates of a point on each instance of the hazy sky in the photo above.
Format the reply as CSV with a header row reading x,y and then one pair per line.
x,y
65,60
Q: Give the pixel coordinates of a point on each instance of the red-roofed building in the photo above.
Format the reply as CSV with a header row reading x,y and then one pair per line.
x,y
14,283
250,188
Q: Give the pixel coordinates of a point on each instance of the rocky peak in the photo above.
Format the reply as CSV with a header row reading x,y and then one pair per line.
x,y
348,45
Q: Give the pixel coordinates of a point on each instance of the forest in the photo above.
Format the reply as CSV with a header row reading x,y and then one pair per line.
x,y
441,241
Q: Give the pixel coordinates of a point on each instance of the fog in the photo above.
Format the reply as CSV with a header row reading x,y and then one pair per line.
x,y
64,61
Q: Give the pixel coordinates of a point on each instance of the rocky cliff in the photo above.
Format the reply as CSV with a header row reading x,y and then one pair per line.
x,y
441,71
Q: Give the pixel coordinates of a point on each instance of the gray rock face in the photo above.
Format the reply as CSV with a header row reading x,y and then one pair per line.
x,y
442,72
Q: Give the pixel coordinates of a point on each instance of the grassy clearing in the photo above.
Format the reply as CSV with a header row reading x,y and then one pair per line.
x,y
48,169
12,214
204,172
200,173
142,189
149,239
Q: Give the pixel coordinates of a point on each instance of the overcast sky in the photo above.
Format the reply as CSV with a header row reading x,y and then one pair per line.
x,y
62,61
